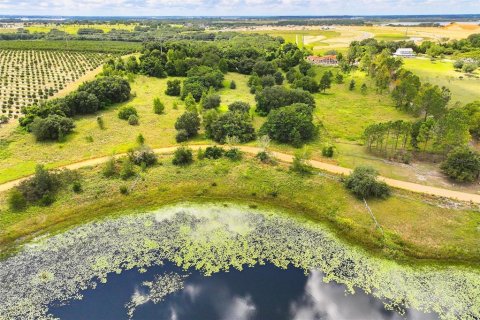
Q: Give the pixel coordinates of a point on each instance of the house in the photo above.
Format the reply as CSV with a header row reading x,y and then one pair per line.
x,y
330,60
404,53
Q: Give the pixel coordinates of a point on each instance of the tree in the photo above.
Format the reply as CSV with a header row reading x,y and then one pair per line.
x,y
182,156
53,127
406,90
277,97
351,86
190,103
462,164
16,200
426,132
126,111
431,100
211,101
325,82
231,124
108,90
40,187
306,83
81,102
158,106
473,112
263,68
173,88
278,78
304,67
239,106
363,182
452,130
292,124
190,122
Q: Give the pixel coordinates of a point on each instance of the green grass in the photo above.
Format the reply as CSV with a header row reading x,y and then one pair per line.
x,y
413,228
442,73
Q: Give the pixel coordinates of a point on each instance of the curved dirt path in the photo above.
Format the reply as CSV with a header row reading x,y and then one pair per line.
x,y
409,186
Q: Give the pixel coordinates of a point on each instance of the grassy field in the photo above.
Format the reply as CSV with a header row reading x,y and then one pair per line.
x,y
73,28
114,47
442,73
413,228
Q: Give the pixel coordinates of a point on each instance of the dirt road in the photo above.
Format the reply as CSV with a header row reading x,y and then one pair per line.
x,y
409,186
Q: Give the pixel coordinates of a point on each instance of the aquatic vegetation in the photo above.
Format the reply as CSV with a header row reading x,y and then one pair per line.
x,y
159,288
213,238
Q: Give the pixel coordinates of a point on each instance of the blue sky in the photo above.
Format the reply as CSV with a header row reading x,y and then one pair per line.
x,y
237,7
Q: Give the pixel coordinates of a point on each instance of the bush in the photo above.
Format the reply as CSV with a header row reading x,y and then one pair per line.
x,y
214,152
364,184
190,122
173,88
234,154
263,156
126,111
53,127
462,164
158,106
133,120
211,101
233,85
77,187
100,122
328,151
181,136
239,106
16,200
277,97
182,156
292,124
300,164
42,185
110,169
127,170
143,156
123,189
231,124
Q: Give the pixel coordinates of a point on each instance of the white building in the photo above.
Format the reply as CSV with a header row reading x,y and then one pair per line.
x,y
404,52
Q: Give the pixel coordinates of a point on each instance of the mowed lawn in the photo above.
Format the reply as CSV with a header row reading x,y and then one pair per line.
x,y
464,89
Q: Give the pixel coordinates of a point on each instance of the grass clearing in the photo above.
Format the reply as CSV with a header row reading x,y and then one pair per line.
x,y
442,73
413,228
73,28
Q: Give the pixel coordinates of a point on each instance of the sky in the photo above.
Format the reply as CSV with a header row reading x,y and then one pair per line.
x,y
236,7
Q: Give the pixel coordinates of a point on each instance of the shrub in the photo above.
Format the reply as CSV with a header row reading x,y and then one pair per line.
x,y
53,127
328,151
143,156
292,124
16,200
140,139
214,152
233,85
300,164
351,86
211,101
263,156
182,156
231,124
190,122
239,106
234,154
364,184
77,187
181,136
462,164
277,97
41,185
126,111
100,122
158,106
123,189
109,170
173,88
127,170
133,120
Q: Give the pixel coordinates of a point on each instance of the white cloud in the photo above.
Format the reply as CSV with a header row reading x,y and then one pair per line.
x,y
240,308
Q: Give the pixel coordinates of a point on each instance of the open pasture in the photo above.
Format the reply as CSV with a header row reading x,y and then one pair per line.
x,y
30,76
465,88
73,28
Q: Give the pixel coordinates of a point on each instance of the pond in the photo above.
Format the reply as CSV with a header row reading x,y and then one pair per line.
x,y
222,261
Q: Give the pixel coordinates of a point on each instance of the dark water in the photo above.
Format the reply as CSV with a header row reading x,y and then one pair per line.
x,y
262,292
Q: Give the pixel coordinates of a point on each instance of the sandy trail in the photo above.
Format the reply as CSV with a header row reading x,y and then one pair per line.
x,y
409,186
